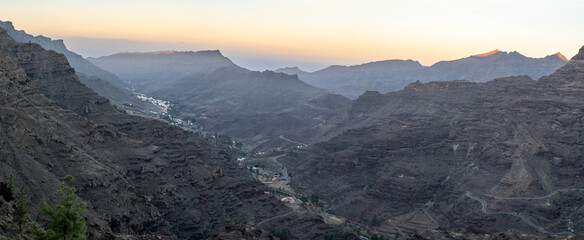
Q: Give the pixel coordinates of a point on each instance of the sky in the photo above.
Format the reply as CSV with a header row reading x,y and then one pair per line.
x,y
311,34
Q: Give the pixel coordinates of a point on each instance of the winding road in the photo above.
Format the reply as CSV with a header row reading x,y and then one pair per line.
x,y
274,217
292,141
524,218
535,198
285,175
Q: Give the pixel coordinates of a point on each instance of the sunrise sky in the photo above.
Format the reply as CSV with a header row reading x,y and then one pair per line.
x,y
311,34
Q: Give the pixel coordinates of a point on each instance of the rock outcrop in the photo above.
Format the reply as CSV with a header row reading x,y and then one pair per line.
x,y
103,82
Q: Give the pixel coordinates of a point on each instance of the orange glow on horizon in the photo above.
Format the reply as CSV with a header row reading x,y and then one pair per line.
x,y
491,53
331,31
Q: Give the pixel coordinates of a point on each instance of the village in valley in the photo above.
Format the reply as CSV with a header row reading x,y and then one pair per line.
x,y
262,165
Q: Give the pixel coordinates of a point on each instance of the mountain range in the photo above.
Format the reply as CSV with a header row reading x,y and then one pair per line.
x,y
419,158
456,152
223,97
394,75
141,178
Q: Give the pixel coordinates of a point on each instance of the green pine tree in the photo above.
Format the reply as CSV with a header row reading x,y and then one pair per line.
x,y
374,221
20,216
11,187
65,220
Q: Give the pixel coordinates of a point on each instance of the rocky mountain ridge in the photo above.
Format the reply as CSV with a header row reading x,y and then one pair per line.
x,y
139,176
410,156
103,82
394,75
154,70
252,106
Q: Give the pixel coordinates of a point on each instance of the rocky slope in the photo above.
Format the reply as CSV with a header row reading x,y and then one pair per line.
x,y
139,176
394,75
103,82
410,156
253,106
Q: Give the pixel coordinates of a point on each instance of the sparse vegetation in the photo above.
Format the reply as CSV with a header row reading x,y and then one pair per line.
x,y
374,221
330,237
283,233
21,217
314,198
65,220
376,237
11,186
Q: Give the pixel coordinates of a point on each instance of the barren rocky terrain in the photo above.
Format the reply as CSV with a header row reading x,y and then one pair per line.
x,y
410,156
139,176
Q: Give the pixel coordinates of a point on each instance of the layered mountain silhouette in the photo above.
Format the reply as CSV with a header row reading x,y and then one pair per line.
x,y
140,177
432,160
253,106
394,75
412,157
103,82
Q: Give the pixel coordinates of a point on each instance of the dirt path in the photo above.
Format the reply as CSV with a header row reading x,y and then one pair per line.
x,y
516,214
292,141
274,217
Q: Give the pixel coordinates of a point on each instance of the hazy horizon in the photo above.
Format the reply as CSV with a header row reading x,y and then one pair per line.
x,y
310,34
254,62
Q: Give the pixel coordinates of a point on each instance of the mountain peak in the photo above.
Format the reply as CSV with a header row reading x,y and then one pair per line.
x,y
487,54
216,53
580,55
7,25
150,53
289,69
561,56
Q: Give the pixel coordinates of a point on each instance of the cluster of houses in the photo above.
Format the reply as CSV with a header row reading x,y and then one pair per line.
x,y
163,104
290,200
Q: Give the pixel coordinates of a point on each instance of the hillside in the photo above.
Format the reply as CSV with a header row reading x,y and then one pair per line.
x,y
420,158
103,82
394,75
139,176
223,97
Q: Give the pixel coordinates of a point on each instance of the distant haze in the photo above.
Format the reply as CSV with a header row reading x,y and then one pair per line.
x,y
266,34
96,47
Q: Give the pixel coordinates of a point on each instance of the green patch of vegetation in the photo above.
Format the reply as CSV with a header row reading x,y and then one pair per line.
x,y
376,237
282,233
374,221
20,216
330,237
65,220
314,198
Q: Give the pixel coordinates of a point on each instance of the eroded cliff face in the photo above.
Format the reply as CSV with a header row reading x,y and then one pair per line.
x,y
131,186
411,156
104,83
139,176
